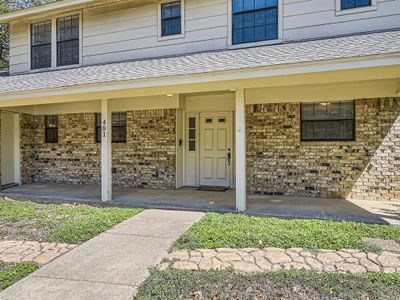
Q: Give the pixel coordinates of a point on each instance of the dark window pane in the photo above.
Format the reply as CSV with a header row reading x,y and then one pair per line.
x,y
68,41
247,5
254,21
348,4
327,121
41,45
171,18
98,127
118,127
192,134
192,122
51,129
192,145
307,130
307,111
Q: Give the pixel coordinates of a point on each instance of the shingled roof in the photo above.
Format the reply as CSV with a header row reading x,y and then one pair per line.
x,y
354,46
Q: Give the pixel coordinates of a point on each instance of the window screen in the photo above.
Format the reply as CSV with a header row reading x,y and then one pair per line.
x,y
118,127
254,20
51,129
171,18
41,45
328,121
68,41
348,4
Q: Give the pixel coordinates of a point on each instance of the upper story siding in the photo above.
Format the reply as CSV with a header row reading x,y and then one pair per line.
x,y
120,32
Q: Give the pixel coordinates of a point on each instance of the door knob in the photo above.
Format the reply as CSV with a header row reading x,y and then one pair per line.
x,y
229,158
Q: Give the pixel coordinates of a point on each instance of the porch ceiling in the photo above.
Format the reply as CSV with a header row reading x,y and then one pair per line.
x,y
342,53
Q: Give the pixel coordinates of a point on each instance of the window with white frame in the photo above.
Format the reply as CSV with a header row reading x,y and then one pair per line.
x,y
328,121
41,45
254,21
171,18
349,4
68,40
62,50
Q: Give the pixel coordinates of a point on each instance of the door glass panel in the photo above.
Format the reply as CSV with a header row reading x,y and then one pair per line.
x,y
192,134
192,145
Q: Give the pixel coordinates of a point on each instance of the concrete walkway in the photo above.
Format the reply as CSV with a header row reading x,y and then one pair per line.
x,y
111,265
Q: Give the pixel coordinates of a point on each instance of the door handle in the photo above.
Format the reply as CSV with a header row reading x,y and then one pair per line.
x,y
229,157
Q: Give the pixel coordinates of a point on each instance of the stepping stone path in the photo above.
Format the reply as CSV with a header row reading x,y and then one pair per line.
x,y
253,260
41,253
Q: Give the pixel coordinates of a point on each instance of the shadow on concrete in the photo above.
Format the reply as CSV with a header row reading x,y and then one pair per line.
x,y
193,200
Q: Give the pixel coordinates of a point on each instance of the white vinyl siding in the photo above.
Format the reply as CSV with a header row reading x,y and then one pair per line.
x,y
122,32
305,19
133,33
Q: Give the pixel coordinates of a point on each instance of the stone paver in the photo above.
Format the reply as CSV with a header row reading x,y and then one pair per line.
x,y
274,259
111,265
39,252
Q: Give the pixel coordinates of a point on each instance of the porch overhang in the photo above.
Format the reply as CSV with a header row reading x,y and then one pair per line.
x,y
313,62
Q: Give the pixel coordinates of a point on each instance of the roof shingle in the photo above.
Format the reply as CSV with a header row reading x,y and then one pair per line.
x,y
209,62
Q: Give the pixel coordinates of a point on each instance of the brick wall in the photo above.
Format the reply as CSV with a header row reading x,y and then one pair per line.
x,y
146,160
368,168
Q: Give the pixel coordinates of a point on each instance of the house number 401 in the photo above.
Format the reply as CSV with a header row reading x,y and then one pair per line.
x,y
104,128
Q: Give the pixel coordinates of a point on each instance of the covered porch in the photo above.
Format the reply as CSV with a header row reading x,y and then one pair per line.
x,y
192,199
229,118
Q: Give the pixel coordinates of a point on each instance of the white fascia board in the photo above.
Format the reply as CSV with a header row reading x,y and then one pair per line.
x,y
48,8
239,74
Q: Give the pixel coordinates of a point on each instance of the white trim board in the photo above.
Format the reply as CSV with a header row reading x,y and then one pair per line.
x,y
251,73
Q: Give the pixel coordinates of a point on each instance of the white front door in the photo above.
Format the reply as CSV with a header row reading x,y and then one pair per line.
x,y
216,149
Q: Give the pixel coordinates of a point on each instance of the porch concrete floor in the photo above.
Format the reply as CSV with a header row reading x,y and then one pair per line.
x,y
193,200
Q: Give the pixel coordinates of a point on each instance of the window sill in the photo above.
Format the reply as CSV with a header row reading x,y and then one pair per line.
x,y
54,68
171,37
357,10
255,44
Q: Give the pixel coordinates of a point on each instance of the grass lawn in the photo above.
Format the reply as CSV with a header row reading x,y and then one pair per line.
x,y
11,273
174,284
241,231
23,220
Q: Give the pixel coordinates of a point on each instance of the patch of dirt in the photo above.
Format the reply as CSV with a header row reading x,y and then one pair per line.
x,y
387,245
23,230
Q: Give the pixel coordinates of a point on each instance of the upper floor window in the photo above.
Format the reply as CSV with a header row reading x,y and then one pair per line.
x,y
68,41
63,49
328,121
41,45
254,20
348,4
118,127
171,18
51,129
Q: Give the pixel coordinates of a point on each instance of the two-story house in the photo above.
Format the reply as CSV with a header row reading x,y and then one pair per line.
x,y
275,97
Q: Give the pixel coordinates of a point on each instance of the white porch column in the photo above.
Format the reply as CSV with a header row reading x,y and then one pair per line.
x,y
106,157
240,153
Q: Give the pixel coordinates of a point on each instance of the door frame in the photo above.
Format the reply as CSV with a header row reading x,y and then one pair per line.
x,y
197,114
